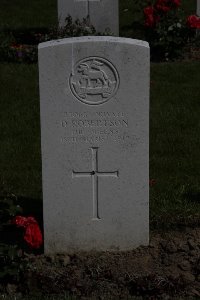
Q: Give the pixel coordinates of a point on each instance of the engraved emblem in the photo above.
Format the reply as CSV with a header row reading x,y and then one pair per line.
x,y
94,80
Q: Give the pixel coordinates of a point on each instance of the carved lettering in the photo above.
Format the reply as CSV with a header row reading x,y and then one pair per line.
x,y
100,114
91,127
64,123
76,114
109,114
99,123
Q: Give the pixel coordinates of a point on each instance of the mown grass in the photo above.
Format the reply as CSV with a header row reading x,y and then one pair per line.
x,y
174,134
20,130
174,138
175,141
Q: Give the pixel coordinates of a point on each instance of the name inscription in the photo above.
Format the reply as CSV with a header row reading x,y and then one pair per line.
x,y
93,127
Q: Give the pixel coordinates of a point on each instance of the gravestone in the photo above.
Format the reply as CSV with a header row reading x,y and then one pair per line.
x,y
103,14
94,95
198,8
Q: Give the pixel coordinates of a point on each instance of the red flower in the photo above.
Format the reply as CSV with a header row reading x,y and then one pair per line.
x,y
163,8
16,46
20,221
176,3
32,234
150,17
193,21
162,5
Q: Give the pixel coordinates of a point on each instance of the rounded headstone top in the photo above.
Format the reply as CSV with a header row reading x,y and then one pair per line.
x,y
93,39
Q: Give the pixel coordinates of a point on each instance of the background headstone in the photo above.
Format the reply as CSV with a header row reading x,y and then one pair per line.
x,y
198,7
94,94
103,14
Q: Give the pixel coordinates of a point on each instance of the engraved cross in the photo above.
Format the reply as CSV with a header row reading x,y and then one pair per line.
x,y
87,2
94,175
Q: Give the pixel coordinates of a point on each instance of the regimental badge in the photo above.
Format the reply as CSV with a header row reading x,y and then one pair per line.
x,y
94,80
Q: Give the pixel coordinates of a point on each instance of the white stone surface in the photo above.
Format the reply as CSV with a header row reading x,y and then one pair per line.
x,y
94,95
103,13
198,7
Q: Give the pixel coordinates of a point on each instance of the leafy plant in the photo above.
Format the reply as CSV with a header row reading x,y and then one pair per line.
x,y
21,46
166,29
20,236
71,29
10,253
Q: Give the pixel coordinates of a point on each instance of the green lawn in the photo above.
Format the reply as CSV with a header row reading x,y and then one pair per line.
x,y
175,140
174,137
174,126
20,129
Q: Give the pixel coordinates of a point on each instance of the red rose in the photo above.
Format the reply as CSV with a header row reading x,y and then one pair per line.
x,y
162,5
150,18
20,221
176,3
163,8
148,11
32,234
193,22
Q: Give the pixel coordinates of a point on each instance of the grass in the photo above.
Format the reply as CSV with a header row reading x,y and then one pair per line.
x,y
175,144
20,129
174,137
175,141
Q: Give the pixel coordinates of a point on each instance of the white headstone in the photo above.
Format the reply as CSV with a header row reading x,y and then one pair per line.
x,y
94,94
198,7
103,14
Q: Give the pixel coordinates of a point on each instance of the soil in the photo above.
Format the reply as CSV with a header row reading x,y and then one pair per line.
x,y
169,267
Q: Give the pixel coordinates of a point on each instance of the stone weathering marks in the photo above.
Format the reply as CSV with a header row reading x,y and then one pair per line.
x,y
103,14
94,95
